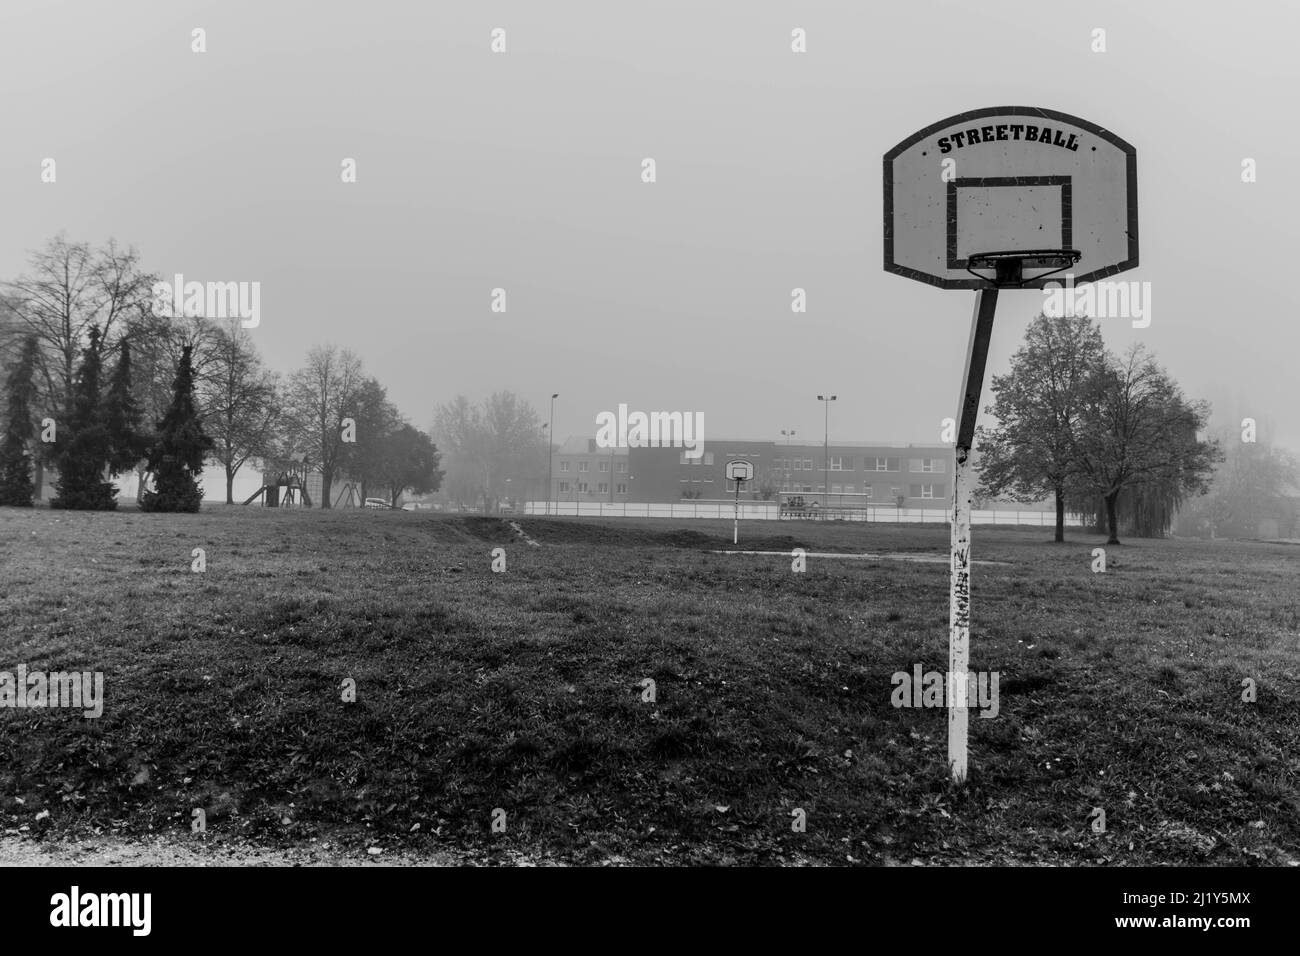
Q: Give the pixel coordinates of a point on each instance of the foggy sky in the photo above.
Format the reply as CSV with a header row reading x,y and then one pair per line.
x,y
522,171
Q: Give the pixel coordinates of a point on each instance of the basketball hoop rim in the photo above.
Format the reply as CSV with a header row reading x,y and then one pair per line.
x,y
1009,265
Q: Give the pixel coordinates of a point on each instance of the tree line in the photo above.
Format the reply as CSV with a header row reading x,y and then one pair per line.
x,y
496,449
183,391
1112,438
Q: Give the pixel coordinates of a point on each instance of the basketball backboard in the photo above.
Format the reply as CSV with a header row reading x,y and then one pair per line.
x,y
740,470
1022,180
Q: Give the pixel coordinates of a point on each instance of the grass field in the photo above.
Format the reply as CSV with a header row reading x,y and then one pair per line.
x,y
522,690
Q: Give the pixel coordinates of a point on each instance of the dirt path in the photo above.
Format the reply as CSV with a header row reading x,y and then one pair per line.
x,y
165,851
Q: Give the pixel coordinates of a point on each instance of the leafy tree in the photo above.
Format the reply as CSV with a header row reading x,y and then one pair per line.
x,y
1138,433
16,485
157,344
176,459
241,403
1039,406
408,461
84,447
376,420
128,443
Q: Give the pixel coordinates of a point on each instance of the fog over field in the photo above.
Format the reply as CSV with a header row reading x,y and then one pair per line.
x,y
522,171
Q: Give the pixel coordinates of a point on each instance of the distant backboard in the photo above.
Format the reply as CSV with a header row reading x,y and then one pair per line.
x,y
740,470
1022,179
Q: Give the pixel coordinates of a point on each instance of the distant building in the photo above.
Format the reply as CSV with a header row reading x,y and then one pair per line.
x,y
920,475
580,471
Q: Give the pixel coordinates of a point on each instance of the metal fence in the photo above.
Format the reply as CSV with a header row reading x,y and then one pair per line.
x,y
770,511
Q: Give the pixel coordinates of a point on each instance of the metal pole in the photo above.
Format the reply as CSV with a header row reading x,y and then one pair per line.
x,y
826,452
977,351
735,521
550,456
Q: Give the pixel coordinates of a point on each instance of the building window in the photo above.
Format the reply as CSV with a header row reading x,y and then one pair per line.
x,y
622,468
708,458
922,491
837,489
886,464
603,488
564,466
604,467
926,465
894,492
582,486
582,466
564,487
798,464
807,489
620,489
868,492
837,462
807,464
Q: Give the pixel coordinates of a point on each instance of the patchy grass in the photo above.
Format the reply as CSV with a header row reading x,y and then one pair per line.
x,y
523,690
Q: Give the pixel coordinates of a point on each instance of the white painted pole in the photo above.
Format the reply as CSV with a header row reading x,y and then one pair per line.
x,y
977,350
959,620
735,521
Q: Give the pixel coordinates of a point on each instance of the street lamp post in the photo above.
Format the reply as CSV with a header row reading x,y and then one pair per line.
x,y
787,435
826,453
550,455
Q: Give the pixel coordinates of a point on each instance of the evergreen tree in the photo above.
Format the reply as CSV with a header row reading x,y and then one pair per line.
x,y
176,458
16,485
128,443
83,448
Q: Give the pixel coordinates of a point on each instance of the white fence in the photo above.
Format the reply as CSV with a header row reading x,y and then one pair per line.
x,y
770,511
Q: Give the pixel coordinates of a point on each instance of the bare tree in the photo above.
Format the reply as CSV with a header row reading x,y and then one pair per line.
x,y
320,395
486,446
240,401
459,431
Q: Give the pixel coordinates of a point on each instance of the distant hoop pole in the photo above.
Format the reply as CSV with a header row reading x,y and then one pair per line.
x,y
977,352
